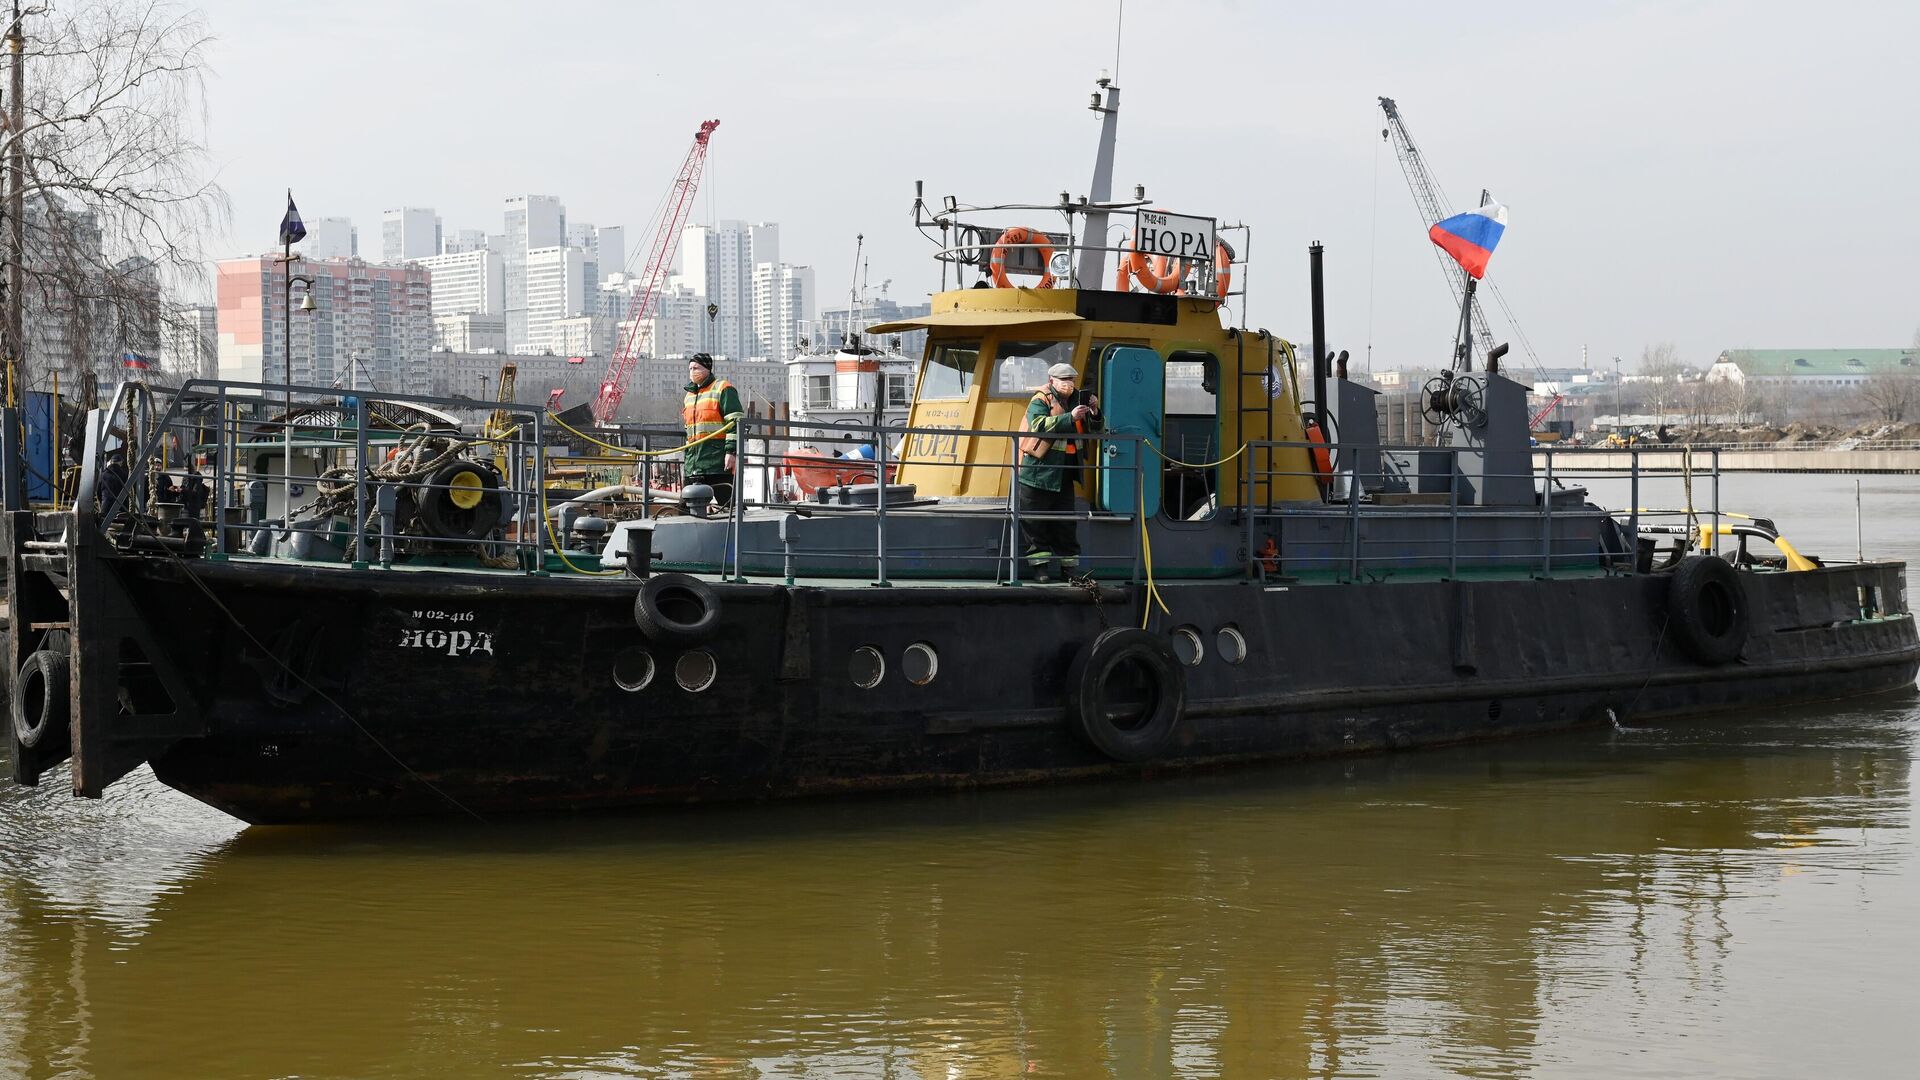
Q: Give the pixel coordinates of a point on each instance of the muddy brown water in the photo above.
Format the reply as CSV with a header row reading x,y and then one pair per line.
x,y
1730,896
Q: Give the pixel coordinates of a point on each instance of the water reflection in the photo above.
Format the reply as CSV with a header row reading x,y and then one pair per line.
x,y
1486,911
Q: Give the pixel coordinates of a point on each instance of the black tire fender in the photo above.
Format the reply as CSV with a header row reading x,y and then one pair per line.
x,y
1119,660
40,691
1707,609
677,609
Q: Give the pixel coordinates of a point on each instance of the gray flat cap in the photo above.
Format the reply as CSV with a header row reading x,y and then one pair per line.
x,y
1062,371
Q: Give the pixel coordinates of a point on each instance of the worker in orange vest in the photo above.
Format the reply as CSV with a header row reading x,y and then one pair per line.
x,y
711,405
1049,467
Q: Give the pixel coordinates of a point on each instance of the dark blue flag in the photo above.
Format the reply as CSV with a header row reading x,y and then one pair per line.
x,y
292,230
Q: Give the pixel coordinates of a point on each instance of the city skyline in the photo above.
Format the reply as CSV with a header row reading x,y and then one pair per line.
x,y
1715,175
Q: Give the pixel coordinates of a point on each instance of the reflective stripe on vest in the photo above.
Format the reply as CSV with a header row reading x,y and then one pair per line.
x,y
701,412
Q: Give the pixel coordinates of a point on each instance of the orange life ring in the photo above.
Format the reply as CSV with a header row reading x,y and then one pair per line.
x,y
1322,456
1160,273
1222,268
1022,235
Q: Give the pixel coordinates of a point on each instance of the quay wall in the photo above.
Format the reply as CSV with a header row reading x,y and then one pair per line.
x,y
1760,461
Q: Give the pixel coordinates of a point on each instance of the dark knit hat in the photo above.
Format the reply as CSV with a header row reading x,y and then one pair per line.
x,y
702,359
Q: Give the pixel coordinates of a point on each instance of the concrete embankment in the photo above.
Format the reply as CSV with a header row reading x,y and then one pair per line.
x,y
1669,459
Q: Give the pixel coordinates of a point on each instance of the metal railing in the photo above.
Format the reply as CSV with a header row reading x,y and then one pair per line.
x,y
1420,507
1412,479
363,444
765,448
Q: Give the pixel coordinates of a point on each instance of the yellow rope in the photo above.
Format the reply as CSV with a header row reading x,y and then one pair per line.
x,y
728,426
548,521
555,537
1146,549
1194,465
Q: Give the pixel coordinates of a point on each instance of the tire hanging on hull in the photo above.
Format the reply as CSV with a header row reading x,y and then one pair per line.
x,y
1707,610
1126,694
39,705
676,610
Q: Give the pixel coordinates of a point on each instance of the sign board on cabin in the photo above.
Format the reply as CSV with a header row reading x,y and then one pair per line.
x,y
1158,233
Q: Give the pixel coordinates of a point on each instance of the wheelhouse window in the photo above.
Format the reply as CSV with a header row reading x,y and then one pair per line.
x,y
1192,436
949,370
899,391
819,391
1020,367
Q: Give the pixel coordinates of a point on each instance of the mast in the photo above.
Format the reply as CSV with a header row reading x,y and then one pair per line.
x,y
16,209
1093,253
848,340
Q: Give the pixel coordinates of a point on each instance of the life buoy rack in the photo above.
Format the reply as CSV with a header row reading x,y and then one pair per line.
x,y
1120,660
1222,268
1021,236
1164,274
1707,609
677,610
1155,273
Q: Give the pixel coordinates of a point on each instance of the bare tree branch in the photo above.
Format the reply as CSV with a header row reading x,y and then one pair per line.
x,y
115,179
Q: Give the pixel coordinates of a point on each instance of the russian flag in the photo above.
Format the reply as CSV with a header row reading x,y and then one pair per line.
x,y
135,361
1470,237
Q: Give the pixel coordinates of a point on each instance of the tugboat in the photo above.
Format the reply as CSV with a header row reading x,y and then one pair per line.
x,y
838,396
1261,579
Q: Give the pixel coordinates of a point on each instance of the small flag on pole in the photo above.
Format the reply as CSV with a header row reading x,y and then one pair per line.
x,y
1470,237
292,230
135,361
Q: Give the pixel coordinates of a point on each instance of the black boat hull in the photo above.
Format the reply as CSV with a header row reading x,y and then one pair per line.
x,y
330,693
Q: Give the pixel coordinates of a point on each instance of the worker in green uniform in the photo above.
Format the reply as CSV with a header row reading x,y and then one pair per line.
x,y
1049,467
711,405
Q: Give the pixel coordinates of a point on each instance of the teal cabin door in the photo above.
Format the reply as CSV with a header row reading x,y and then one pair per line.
x,y
1133,397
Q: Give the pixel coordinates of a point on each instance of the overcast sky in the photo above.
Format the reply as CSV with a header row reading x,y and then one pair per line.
x,y
1713,174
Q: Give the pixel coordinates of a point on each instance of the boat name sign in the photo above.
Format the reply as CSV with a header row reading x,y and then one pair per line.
x,y
1158,233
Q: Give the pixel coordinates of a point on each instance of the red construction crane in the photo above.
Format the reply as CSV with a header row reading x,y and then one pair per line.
x,y
660,252
1544,410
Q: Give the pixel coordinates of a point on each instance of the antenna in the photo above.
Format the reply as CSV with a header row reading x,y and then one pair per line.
x,y
853,292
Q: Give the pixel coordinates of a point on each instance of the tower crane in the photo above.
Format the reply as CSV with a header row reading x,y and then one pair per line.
x,y
660,252
1434,208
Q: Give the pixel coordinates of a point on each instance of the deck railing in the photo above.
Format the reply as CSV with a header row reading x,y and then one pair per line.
x,y
1389,518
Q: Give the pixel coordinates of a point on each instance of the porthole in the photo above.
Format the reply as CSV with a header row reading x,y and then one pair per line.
x,y
919,663
1187,646
1232,646
695,670
867,667
632,668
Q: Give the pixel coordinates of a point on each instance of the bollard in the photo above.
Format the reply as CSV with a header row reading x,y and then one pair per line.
x,y
639,552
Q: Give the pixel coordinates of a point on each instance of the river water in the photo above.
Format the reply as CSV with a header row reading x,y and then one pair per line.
x,y
1736,896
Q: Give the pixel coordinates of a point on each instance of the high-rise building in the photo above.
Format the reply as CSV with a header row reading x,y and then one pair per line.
x,y
581,335
331,238
455,241
718,262
80,309
379,316
555,289
604,250
411,232
470,333
830,330
467,283
532,222
672,326
782,302
190,342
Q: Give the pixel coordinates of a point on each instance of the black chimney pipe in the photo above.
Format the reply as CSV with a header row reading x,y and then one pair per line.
x,y
1318,301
